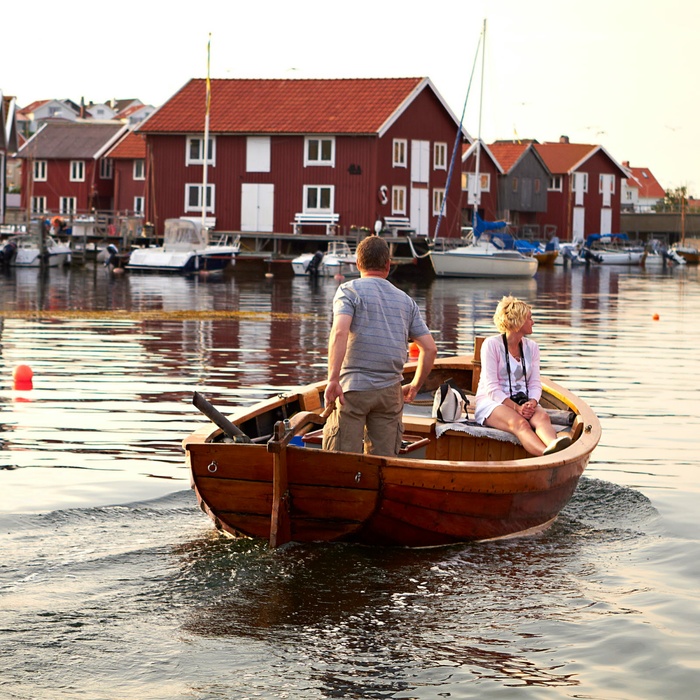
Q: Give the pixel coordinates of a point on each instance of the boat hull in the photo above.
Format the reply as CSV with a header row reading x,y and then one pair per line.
x,y
455,488
463,262
189,262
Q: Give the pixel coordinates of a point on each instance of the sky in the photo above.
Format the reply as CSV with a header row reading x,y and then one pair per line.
x,y
618,73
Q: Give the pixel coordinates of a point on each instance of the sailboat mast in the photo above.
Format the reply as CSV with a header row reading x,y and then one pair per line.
x,y
206,139
477,184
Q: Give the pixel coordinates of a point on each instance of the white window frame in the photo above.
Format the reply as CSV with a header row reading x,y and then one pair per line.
x,y
197,186
602,178
399,153
139,169
40,171
438,197
38,205
199,158
257,154
555,183
319,192
68,205
398,200
439,156
309,160
106,169
574,177
139,202
77,171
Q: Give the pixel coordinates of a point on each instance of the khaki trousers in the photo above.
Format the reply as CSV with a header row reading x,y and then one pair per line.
x,y
369,421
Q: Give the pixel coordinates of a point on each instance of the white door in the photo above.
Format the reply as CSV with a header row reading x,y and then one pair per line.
x,y
420,214
578,223
420,161
606,220
257,207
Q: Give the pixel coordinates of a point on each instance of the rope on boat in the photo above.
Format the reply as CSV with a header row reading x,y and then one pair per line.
x,y
413,250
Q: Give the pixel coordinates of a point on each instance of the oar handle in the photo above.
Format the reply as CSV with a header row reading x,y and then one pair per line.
x,y
298,424
233,431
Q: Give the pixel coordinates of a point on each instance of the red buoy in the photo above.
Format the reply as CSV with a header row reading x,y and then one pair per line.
x,y
22,376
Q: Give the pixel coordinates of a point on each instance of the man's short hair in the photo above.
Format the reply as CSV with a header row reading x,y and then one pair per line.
x,y
372,254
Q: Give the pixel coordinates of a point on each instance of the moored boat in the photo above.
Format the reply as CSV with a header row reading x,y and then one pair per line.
x,y
187,248
29,250
451,483
339,259
611,249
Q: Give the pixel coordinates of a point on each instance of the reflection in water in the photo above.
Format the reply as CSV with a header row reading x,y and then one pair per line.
x,y
590,605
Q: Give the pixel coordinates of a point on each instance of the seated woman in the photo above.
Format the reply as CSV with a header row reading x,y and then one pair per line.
x,y
510,388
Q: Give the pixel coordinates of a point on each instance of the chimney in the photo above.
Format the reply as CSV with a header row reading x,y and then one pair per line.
x,y
563,139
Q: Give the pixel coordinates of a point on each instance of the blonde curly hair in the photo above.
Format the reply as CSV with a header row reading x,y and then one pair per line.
x,y
511,314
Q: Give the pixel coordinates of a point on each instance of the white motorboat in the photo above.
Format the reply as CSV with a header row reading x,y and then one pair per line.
x,y
29,250
187,248
339,259
611,249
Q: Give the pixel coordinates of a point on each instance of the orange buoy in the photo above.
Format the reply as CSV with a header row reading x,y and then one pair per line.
x,y
413,350
655,317
22,376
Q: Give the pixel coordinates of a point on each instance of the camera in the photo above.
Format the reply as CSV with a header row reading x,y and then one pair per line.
x,y
520,398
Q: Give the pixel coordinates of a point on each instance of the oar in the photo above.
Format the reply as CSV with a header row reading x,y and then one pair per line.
x,y
285,430
233,431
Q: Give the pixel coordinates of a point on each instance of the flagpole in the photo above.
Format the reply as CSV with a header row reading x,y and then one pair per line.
x,y
206,138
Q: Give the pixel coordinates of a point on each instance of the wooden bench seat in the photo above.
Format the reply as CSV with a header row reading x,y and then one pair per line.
x,y
329,220
398,224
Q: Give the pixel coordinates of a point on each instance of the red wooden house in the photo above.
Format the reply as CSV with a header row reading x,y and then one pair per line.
x,y
66,172
481,191
286,155
583,196
128,156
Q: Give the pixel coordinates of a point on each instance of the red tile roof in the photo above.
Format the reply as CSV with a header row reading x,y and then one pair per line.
x,y
564,157
357,106
508,153
649,187
132,146
30,108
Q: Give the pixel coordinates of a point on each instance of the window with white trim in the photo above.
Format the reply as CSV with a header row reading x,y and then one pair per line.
x,y
579,180
439,156
38,205
606,183
318,198
77,171
68,205
139,169
39,170
319,150
138,205
398,200
106,169
400,153
438,197
195,151
194,199
555,184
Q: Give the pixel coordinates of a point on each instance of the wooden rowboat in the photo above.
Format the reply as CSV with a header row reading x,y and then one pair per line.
x,y
454,488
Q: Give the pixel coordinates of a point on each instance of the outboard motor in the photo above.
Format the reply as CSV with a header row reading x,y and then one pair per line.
x,y
112,255
8,253
315,263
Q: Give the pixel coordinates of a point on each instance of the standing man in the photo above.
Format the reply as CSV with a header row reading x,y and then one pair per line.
x,y
373,322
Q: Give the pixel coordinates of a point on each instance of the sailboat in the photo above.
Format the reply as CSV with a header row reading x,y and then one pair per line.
x,y
484,253
689,253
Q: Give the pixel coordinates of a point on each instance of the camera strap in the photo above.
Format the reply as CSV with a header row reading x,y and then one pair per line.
x,y
522,361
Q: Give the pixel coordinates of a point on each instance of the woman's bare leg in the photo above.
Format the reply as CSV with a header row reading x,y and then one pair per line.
x,y
507,419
